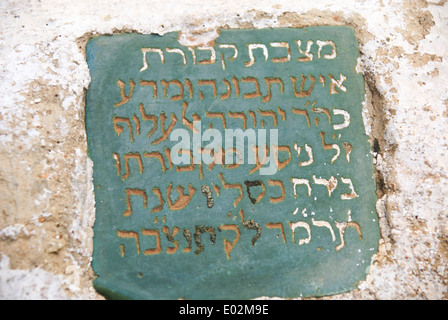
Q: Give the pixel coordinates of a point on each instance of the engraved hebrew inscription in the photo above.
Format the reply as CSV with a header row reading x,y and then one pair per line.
x,y
243,163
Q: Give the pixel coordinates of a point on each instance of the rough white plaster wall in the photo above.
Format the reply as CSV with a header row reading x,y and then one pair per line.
x,y
47,206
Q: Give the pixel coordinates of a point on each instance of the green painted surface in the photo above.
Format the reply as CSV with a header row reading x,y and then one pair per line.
x,y
288,234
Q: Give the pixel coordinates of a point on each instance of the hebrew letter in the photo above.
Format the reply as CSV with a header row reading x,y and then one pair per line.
x,y
116,156
326,224
254,118
129,234
282,45
297,181
346,122
216,156
301,93
342,226
251,224
187,235
297,148
254,94
137,123
302,113
236,84
189,167
337,83
307,54
217,115
235,55
207,83
282,113
257,158
165,132
134,192
228,246
277,225
255,183
309,151
158,248
269,113
226,95
331,183
329,147
158,156
197,237
185,121
119,129
269,81
348,149
152,84
193,54
170,237
302,224
239,158
322,110
177,83
147,117
207,192
189,85
183,200
322,80
351,195
165,86
276,150
239,115
145,51
135,156
212,58
321,44
232,186
168,156
251,47
124,97
277,183
158,193
178,51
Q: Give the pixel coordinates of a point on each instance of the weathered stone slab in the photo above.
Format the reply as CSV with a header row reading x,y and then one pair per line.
x,y
300,221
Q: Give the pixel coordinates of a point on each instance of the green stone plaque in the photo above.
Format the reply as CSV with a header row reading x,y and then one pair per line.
x,y
231,170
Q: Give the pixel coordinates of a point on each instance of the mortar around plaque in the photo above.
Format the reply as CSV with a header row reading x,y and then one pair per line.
x,y
232,170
